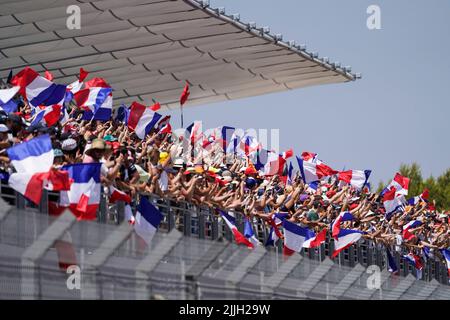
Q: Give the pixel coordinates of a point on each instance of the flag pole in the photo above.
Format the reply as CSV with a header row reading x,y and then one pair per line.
x,y
181,110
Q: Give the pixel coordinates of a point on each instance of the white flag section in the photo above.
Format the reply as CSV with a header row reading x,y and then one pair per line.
x,y
345,239
148,219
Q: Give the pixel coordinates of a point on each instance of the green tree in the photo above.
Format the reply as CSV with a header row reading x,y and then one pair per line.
x,y
439,188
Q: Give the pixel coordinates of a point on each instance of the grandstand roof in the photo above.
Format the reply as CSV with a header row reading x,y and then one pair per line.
x,y
147,49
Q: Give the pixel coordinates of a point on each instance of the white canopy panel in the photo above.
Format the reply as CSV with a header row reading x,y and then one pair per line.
x,y
148,49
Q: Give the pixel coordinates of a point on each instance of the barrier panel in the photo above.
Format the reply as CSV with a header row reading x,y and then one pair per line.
x,y
203,222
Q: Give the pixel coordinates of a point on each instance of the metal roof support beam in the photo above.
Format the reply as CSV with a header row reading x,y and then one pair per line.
x,y
314,278
145,267
38,248
278,277
401,288
369,293
99,257
204,262
428,290
348,280
250,261
236,276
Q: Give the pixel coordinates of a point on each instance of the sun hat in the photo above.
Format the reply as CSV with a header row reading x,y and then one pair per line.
x,y
97,144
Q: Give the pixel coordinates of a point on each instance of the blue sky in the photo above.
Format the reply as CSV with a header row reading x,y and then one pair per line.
x,y
399,112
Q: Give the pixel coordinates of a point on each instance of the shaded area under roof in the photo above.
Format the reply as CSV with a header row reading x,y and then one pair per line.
x,y
147,49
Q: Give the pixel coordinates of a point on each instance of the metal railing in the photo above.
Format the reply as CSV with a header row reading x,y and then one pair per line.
x,y
202,222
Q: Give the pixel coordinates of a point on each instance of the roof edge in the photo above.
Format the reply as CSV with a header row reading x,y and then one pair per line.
x,y
264,32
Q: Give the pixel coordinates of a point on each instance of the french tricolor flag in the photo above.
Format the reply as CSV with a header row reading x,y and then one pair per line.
x,y
272,238
336,225
238,237
49,115
142,119
400,183
391,201
122,113
314,171
96,101
164,121
415,261
195,131
355,178
410,225
345,239
117,195
6,99
227,134
274,234
33,162
314,240
392,266
83,198
166,129
249,145
147,220
129,215
37,89
250,234
74,87
294,237
289,179
309,156
423,197
446,254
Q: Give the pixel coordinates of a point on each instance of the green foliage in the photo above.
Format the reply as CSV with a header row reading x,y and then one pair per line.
x,y
439,188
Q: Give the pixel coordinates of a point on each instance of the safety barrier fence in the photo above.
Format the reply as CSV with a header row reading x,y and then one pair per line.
x,y
203,222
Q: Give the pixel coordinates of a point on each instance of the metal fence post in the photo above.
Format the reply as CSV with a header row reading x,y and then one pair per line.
x,y
215,227
187,223
20,201
170,218
102,209
351,256
201,224
120,207
43,204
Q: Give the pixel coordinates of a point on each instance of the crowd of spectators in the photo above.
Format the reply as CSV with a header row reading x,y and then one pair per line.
x,y
170,166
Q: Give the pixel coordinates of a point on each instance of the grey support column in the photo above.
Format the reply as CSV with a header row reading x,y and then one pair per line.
x,y
20,201
241,270
145,267
43,204
286,268
369,293
427,290
315,277
38,248
99,257
346,283
196,270
397,292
